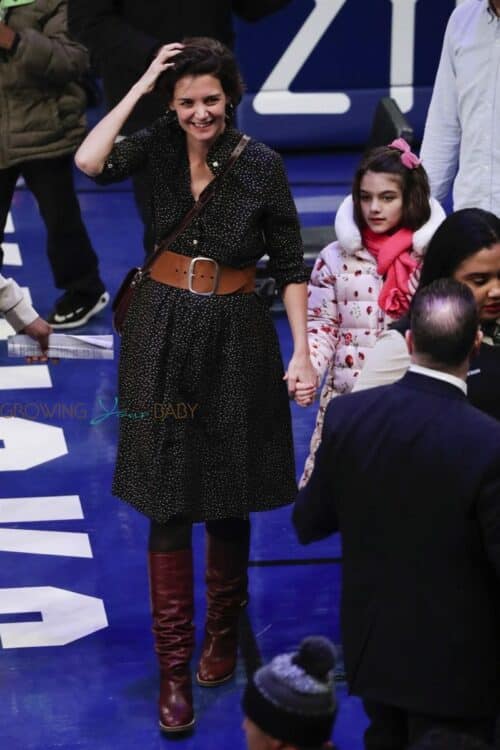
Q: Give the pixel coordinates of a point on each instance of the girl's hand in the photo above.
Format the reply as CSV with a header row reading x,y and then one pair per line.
x,y
160,64
300,370
305,395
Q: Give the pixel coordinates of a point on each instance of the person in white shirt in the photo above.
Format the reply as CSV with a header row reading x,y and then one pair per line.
x,y
21,315
461,144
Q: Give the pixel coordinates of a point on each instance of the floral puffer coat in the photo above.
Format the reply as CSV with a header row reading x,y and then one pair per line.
x,y
344,318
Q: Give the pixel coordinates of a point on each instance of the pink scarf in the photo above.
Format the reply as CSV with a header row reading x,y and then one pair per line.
x,y
395,265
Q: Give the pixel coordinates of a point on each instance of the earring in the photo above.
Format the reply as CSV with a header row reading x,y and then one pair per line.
x,y
229,112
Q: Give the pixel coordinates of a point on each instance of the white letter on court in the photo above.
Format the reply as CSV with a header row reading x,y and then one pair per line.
x,y
66,617
34,542
29,444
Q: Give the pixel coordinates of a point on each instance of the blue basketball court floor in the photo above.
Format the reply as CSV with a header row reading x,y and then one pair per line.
x,y
78,667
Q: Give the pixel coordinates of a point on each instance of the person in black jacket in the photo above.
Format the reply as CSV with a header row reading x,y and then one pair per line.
x,y
410,475
123,37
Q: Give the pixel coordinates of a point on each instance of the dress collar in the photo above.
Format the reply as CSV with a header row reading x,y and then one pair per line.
x,y
222,149
219,152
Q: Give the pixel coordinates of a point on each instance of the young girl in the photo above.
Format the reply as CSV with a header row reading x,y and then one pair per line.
x,y
363,281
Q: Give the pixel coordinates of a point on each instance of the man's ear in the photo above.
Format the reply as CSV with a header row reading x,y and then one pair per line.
x,y
478,340
409,341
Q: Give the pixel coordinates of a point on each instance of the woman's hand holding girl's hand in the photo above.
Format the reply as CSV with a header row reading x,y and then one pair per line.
x,y
302,379
162,62
305,394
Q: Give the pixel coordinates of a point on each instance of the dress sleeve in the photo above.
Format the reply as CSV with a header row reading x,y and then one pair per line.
x,y
386,363
282,230
322,312
127,157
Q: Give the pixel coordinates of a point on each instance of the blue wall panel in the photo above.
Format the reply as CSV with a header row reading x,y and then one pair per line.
x,y
313,49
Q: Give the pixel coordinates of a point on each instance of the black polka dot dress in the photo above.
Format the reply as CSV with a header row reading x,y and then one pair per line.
x,y
206,431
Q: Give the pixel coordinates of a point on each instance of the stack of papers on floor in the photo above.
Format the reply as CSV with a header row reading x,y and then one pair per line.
x,y
63,346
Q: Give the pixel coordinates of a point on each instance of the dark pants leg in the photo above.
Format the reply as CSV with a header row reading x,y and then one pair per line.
x,y
8,179
482,729
388,728
170,537
396,729
73,261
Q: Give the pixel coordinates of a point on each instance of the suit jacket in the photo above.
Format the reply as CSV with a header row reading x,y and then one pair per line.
x,y
410,475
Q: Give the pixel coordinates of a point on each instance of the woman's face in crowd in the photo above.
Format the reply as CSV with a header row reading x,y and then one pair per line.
x,y
381,200
481,273
200,105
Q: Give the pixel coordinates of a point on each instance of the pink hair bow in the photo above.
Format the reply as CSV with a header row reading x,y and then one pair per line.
x,y
409,159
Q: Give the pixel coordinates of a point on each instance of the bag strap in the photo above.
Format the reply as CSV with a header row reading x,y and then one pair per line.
x,y
200,204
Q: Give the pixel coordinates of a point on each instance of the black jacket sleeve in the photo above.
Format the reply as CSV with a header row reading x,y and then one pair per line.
x,y
253,10
314,513
99,26
489,514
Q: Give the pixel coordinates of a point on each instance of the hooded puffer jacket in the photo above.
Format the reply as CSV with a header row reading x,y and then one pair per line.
x,y
42,103
344,318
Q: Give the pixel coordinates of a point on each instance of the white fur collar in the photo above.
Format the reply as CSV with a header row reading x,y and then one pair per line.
x,y
349,235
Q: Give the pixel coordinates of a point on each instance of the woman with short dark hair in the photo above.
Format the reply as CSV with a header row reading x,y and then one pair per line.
x,y
196,336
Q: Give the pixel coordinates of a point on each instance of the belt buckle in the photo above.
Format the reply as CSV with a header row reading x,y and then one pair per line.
x,y
191,273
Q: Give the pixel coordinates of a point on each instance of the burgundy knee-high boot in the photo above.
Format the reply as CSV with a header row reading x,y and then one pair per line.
x,y
227,584
171,578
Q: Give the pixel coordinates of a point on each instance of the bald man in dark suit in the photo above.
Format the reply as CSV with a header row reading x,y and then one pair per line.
x,y
410,476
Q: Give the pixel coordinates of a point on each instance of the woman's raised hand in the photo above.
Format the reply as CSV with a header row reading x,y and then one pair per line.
x,y
160,64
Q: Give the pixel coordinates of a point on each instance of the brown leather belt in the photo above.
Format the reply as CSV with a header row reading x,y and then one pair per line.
x,y
201,275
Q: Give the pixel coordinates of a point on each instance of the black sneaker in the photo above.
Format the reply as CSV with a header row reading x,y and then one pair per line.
x,y
73,309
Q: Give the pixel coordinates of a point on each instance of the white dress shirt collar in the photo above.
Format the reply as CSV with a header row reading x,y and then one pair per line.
x,y
438,375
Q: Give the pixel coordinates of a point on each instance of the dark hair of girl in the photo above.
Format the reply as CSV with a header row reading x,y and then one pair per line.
x,y
461,235
414,185
203,56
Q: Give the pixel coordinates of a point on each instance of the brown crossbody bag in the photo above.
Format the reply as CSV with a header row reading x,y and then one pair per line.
x,y
123,297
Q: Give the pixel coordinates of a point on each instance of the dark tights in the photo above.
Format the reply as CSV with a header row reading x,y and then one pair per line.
x,y
176,534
